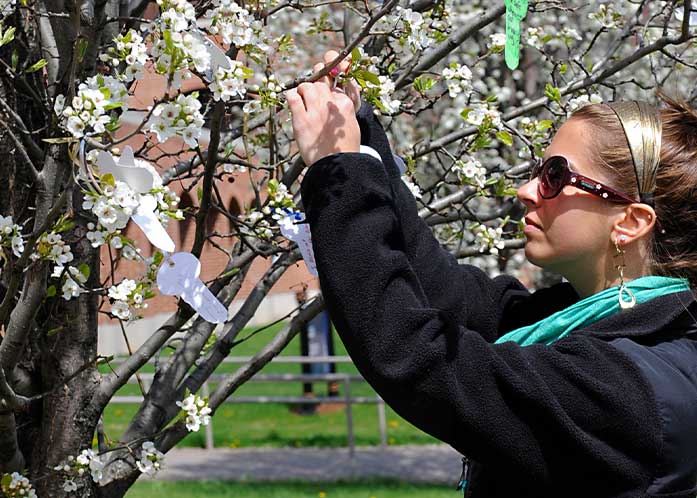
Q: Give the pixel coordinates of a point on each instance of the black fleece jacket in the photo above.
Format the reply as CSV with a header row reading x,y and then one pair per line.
x,y
608,411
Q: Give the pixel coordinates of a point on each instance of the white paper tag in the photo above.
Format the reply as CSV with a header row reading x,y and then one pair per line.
x,y
178,276
148,221
292,229
140,179
218,57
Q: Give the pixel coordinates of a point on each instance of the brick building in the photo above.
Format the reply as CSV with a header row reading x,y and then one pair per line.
x,y
238,194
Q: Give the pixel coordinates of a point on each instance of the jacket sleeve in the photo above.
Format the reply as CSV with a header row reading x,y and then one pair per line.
x,y
526,408
428,259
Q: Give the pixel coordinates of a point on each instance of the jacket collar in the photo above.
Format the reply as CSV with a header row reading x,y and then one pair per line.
x,y
676,311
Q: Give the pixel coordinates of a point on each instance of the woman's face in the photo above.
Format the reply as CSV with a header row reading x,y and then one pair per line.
x,y
570,233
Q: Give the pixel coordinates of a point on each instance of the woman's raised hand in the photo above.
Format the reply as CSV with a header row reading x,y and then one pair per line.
x,y
324,121
351,87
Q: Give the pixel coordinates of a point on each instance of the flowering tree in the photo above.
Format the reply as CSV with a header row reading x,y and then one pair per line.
x,y
467,127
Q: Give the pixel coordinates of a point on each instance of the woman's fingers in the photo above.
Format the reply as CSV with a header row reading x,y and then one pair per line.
x,y
324,79
351,88
330,55
296,106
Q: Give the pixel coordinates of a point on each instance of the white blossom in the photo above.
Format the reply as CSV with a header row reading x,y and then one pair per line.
x,y
497,41
123,290
582,101
236,26
228,83
69,485
150,459
87,113
471,171
488,238
19,486
413,188
197,412
459,79
181,117
479,112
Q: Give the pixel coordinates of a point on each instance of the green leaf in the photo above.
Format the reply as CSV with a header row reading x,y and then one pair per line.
x,y
64,226
544,124
355,54
505,137
109,179
85,270
553,93
229,273
8,36
60,140
51,291
423,83
82,45
54,331
367,76
6,480
199,194
563,68
36,66
15,60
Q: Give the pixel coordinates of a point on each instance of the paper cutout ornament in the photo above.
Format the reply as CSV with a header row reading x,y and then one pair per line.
x,y
178,276
294,230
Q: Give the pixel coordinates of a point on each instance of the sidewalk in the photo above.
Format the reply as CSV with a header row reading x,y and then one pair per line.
x,y
423,463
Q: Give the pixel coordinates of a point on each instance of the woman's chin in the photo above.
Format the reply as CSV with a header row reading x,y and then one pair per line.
x,y
535,255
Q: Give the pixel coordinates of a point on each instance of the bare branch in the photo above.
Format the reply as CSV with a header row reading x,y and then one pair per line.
x,y
175,433
211,163
474,251
28,163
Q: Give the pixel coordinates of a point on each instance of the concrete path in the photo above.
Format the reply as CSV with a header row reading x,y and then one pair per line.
x,y
423,463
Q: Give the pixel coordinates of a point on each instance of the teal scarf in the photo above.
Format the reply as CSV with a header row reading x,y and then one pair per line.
x,y
592,309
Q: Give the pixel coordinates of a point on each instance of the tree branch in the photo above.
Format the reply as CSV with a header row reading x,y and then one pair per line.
x,y
175,433
435,55
593,79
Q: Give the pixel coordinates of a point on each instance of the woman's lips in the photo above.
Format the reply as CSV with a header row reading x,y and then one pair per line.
x,y
531,226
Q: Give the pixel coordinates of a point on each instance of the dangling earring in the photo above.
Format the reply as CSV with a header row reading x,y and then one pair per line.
x,y
624,290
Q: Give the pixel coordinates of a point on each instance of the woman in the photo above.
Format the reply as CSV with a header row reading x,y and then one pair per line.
x,y
557,393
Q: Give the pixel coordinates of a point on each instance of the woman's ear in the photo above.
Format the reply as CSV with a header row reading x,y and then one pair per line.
x,y
636,221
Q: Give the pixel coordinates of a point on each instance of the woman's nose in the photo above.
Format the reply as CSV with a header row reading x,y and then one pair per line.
x,y
528,194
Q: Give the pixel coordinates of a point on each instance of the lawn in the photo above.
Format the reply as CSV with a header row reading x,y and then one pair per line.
x,y
220,489
275,425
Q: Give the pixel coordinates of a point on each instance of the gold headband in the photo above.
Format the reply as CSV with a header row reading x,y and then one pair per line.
x,y
642,126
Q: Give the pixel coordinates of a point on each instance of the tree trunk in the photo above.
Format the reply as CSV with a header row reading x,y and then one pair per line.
x,y
66,423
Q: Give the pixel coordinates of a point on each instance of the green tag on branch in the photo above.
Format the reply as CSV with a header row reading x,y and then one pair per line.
x,y
515,12
518,8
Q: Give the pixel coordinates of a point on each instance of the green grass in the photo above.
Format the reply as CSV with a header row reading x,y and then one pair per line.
x,y
275,425
220,489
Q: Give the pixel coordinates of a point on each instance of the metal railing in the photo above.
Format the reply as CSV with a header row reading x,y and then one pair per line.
x,y
344,378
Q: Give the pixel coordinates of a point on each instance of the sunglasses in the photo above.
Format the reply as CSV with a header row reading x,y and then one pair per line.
x,y
554,174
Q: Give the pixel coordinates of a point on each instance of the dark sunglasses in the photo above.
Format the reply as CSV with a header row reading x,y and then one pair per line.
x,y
554,174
